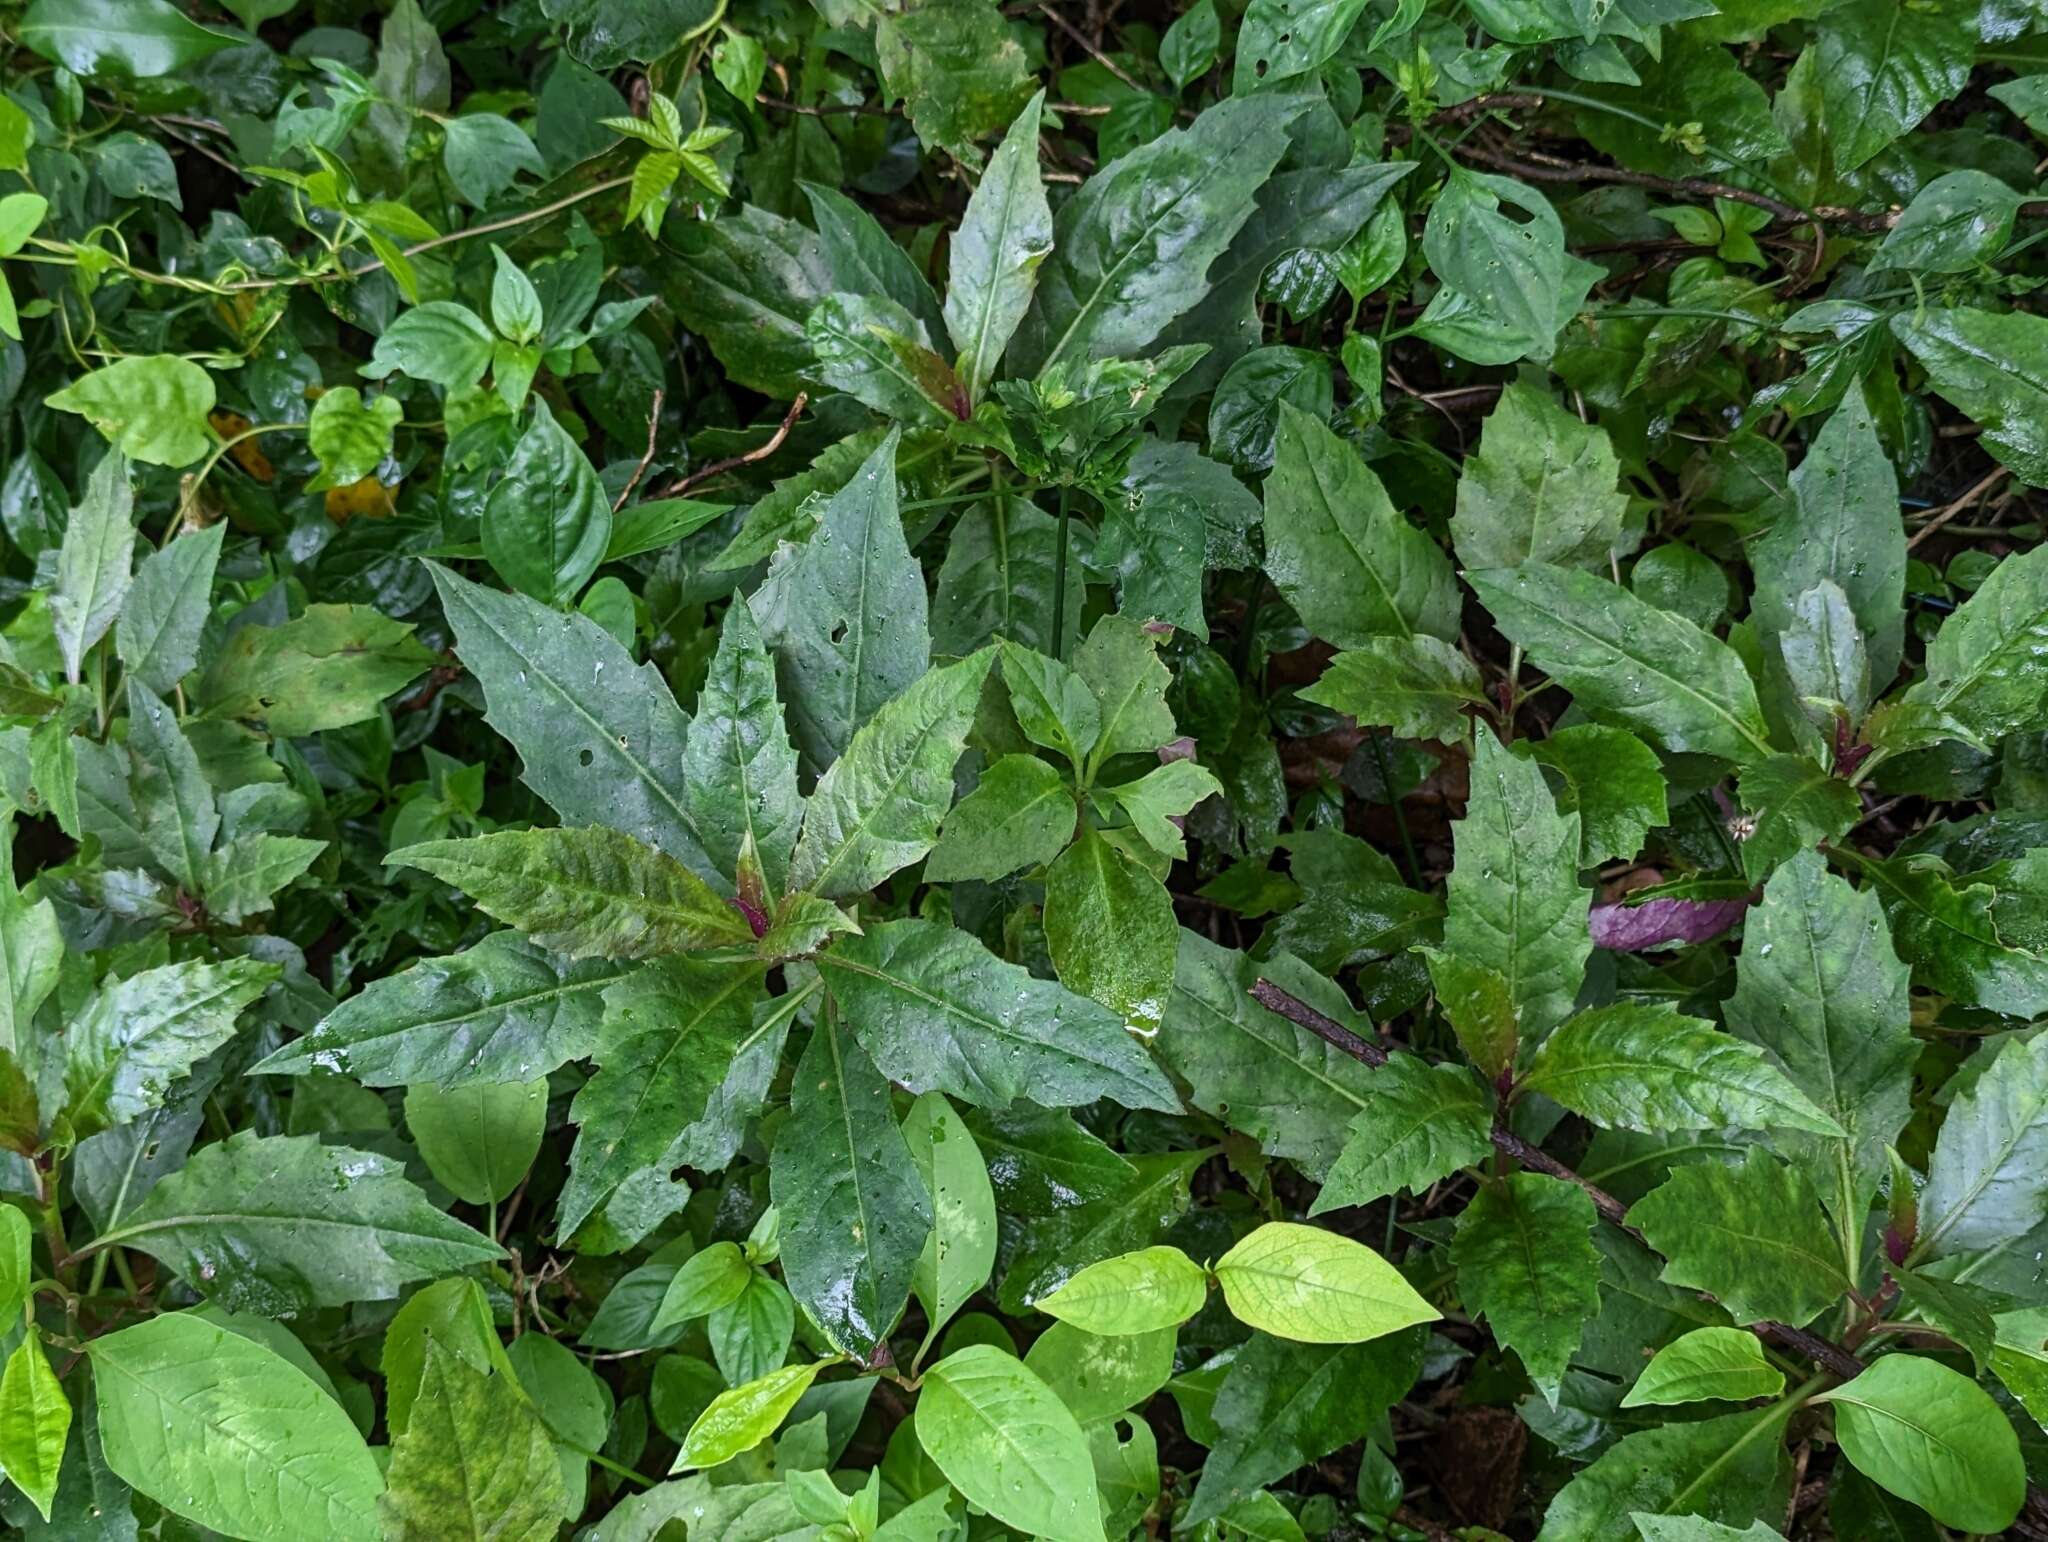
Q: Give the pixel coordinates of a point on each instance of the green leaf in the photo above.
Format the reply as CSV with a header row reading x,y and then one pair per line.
x,y
1020,814
1284,1405
440,342
961,1251
1953,223
217,1428
855,1212
1650,1067
174,807
1190,45
669,1037
1944,928
878,808
1099,1376
1982,667
713,1277
503,1010
93,563
1110,929
547,523
937,1011
583,893
1007,1443
134,39
1729,1469
1628,662
1612,781
35,1419
957,69
1421,1123
1114,282
744,1416
1526,1264
165,608
475,1460
1994,368
135,1037
478,1140
17,1272
281,1224
328,667
1820,988
1988,1179
1515,902
484,154
1933,1437
1707,1364
739,771
845,614
1481,1009
1341,553
1882,69
1541,489
747,283
1281,39
1417,686
1753,1236
150,408
1149,1196
996,581
1303,1283
1277,1082
1005,233
1119,662
875,351
1512,267
1141,1292
600,738
1794,806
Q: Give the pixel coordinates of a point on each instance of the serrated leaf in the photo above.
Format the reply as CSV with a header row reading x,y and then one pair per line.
x,y
1612,781
281,1224
1795,806
1341,553
1730,1469
1526,1265
93,562
1417,686
1983,665
1987,1182
1628,662
1420,1123
584,893
1004,235
475,1460
739,771
1542,488
164,609
1020,814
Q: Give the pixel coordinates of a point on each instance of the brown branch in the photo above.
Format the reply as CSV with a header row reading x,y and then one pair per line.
x,y
1825,1353
646,460
1969,499
731,462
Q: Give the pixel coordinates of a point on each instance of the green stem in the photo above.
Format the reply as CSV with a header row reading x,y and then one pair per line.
x,y
1379,755
1059,581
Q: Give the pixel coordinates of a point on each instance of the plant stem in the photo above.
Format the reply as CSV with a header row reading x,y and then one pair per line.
x,y
1059,581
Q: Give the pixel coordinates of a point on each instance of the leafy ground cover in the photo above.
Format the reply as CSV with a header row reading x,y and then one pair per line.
x,y
911,771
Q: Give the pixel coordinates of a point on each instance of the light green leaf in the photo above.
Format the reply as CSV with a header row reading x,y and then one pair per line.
x,y
878,808
35,1419
1141,1292
1020,814
583,893
1650,1067
1728,1469
281,1224
1303,1283
1526,1264
1281,39
229,1434
1420,1123
1006,1442
1543,488
1628,662
855,1212
711,1278
600,738
937,1011
1345,558
440,342
744,1416
350,436
1983,667
150,408
1752,1236
475,1460
328,667
1707,1364
1119,662
478,1140
1933,1437
961,1251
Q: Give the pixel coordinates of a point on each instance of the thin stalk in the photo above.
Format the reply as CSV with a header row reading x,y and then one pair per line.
x,y
1059,580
